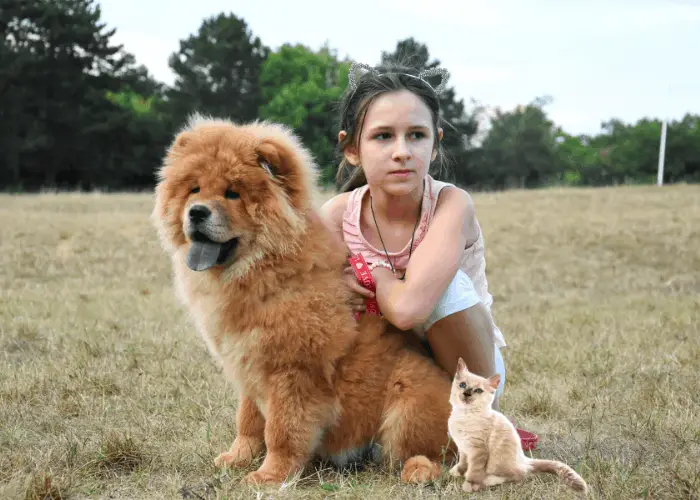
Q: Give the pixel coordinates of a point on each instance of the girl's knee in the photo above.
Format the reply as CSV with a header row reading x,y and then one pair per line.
x,y
459,295
500,369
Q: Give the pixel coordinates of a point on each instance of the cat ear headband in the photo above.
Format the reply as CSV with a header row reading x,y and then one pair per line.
x,y
358,67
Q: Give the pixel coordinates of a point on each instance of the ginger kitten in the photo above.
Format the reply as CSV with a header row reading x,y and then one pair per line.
x,y
490,452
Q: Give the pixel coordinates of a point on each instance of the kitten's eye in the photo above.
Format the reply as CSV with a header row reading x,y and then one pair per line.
x,y
478,391
195,189
231,195
463,385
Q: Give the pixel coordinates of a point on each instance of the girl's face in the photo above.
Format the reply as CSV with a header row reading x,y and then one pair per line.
x,y
397,142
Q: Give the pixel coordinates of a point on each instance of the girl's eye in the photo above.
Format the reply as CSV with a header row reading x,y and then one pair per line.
x,y
195,189
478,391
463,385
414,135
231,195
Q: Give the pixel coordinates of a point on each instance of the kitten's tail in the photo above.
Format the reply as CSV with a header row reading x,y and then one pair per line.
x,y
566,474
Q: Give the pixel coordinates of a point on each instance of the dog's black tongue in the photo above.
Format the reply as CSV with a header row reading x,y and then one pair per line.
x,y
203,255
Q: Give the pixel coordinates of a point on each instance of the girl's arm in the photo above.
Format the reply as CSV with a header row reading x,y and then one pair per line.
x,y
332,215
433,264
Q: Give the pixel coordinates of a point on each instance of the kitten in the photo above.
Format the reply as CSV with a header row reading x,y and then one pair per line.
x,y
490,451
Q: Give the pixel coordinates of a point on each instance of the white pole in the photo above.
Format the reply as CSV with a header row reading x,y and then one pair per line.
x,y
662,155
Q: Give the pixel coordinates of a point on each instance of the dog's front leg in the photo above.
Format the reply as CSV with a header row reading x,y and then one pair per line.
x,y
250,433
299,406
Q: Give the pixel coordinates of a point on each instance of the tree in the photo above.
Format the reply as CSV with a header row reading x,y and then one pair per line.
x,y
520,149
142,138
683,150
57,65
628,153
218,71
301,88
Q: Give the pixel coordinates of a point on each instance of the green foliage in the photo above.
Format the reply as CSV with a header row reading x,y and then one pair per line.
x,y
218,71
56,119
132,101
519,150
301,88
77,111
683,150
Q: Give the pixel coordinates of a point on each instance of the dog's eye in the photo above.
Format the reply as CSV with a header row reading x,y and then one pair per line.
x,y
231,195
463,385
195,189
478,391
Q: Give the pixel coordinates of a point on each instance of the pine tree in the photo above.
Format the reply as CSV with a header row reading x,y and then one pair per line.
x,y
58,65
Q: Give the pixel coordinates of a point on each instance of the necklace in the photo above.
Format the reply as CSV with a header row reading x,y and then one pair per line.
x,y
410,249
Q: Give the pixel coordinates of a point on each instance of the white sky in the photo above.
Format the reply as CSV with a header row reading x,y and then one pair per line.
x,y
598,59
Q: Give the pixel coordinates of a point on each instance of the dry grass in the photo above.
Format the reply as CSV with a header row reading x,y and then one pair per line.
x,y
106,391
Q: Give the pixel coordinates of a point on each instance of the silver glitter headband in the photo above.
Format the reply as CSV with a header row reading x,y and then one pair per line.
x,y
352,82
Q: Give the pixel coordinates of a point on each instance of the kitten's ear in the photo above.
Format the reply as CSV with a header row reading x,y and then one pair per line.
x,y
461,367
494,381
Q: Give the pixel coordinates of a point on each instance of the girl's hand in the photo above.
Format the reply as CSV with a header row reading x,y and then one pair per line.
x,y
360,293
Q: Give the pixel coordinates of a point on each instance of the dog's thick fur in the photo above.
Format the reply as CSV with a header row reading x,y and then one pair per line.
x,y
312,381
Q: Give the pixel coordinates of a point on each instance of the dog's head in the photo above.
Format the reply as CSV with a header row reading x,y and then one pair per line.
x,y
229,195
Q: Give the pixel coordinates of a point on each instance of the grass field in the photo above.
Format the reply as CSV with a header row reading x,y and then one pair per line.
x,y
107,392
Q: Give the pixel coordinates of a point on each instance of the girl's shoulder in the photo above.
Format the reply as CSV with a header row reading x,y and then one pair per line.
x,y
333,209
337,207
450,202
446,196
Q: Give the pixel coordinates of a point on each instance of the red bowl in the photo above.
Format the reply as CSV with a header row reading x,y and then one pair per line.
x,y
528,440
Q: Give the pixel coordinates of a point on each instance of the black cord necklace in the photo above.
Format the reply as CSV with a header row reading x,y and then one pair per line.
x,y
410,249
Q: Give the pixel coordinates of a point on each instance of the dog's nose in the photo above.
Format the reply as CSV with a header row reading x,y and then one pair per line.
x,y
198,213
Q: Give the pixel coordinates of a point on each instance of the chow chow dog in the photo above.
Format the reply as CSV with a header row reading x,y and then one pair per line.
x,y
261,276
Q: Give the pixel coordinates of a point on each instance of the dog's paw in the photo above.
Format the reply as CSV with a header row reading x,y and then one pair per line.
x,y
470,487
260,478
419,469
243,451
457,471
231,459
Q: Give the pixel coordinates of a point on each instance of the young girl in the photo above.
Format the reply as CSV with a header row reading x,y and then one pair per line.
x,y
419,236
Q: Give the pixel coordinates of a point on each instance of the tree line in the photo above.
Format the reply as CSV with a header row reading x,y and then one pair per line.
x,y
78,112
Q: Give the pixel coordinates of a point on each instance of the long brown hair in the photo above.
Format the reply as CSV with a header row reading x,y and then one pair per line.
x,y
353,109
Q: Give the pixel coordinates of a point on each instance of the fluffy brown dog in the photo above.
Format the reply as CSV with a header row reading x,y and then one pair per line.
x,y
261,276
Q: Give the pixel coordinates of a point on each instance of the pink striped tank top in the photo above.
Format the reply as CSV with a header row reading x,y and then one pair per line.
x,y
473,261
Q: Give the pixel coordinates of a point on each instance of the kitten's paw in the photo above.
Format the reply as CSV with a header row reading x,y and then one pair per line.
x,y
457,471
491,480
475,476
470,487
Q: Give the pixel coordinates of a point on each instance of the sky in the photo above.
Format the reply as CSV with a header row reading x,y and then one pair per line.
x,y
597,59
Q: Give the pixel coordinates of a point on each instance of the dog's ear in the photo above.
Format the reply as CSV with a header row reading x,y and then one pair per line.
x,y
271,159
290,165
181,141
285,165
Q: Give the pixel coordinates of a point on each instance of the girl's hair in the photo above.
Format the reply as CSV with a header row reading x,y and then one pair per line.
x,y
356,101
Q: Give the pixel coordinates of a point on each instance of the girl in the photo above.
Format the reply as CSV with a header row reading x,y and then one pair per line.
x,y
420,236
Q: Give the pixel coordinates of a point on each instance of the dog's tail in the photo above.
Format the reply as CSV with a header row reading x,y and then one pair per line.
x,y
566,474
